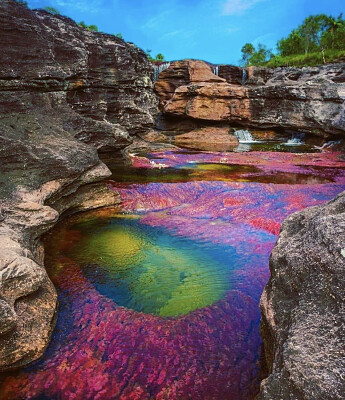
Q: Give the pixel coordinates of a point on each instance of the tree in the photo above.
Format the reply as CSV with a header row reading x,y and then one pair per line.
x,y
335,26
159,57
119,35
293,44
251,56
247,52
260,56
312,31
52,10
319,36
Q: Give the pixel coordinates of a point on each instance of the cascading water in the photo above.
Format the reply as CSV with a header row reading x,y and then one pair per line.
x,y
244,136
328,145
215,69
244,76
160,68
296,140
160,299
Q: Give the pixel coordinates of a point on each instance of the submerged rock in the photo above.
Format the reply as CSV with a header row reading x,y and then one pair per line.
x,y
65,93
303,307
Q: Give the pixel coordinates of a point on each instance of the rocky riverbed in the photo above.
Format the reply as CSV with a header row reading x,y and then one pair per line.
x,y
68,95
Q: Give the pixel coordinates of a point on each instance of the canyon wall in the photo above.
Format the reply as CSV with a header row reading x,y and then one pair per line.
x,y
65,93
308,100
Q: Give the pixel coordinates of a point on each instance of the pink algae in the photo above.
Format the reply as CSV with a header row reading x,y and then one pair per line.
x,y
103,351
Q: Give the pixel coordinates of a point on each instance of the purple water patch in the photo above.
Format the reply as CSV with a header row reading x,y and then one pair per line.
x,y
104,351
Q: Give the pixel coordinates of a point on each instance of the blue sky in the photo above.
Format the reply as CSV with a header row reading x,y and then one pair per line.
x,y
211,30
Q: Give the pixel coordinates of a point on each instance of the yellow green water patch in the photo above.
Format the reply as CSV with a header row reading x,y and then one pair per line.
x,y
146,269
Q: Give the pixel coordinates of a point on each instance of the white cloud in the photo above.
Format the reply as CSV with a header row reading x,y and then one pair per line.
x,y
157,21
81,5
232,7
173,33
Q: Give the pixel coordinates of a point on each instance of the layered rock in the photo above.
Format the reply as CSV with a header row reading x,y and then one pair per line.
x,y
303,307
65,93
208,138
309,100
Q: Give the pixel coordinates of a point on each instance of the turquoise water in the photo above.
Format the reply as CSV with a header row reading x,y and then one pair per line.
x,y
146,269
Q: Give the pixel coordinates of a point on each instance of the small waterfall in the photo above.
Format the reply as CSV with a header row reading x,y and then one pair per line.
x,y
159,68
244,136
215,69
244,76
296,140
328,145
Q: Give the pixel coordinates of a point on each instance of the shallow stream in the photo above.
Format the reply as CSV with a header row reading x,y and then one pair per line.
x,y
159,299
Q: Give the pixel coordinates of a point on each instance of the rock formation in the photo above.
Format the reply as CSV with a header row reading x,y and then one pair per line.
x,y
65,93
309,100
303,307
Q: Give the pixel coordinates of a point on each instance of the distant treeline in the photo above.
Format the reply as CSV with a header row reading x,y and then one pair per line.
x,y
319,39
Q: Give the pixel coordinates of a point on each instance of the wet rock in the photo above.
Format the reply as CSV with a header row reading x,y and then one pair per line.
x,y
210,102
209,138
303,307
65,94
183,73
309,100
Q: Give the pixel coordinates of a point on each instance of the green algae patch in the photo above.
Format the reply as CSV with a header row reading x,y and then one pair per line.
x,y
145,268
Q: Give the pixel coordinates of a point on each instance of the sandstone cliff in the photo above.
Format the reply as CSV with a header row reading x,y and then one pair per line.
x,y
303,307
309,100
64,93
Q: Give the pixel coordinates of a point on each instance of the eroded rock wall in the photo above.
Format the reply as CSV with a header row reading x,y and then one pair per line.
x,y
303,307
65,93
309,100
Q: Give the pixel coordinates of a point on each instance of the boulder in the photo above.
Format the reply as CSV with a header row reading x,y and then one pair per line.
x,y
302,307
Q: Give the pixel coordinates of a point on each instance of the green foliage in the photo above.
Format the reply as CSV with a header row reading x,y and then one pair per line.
x,y
319,39
247,52
317,33
293,44
119,35
92,28
149,56
253,56
52,10
159,57
305,60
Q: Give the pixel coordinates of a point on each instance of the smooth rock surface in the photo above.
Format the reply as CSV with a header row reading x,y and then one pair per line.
x,y
208,138
302,306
